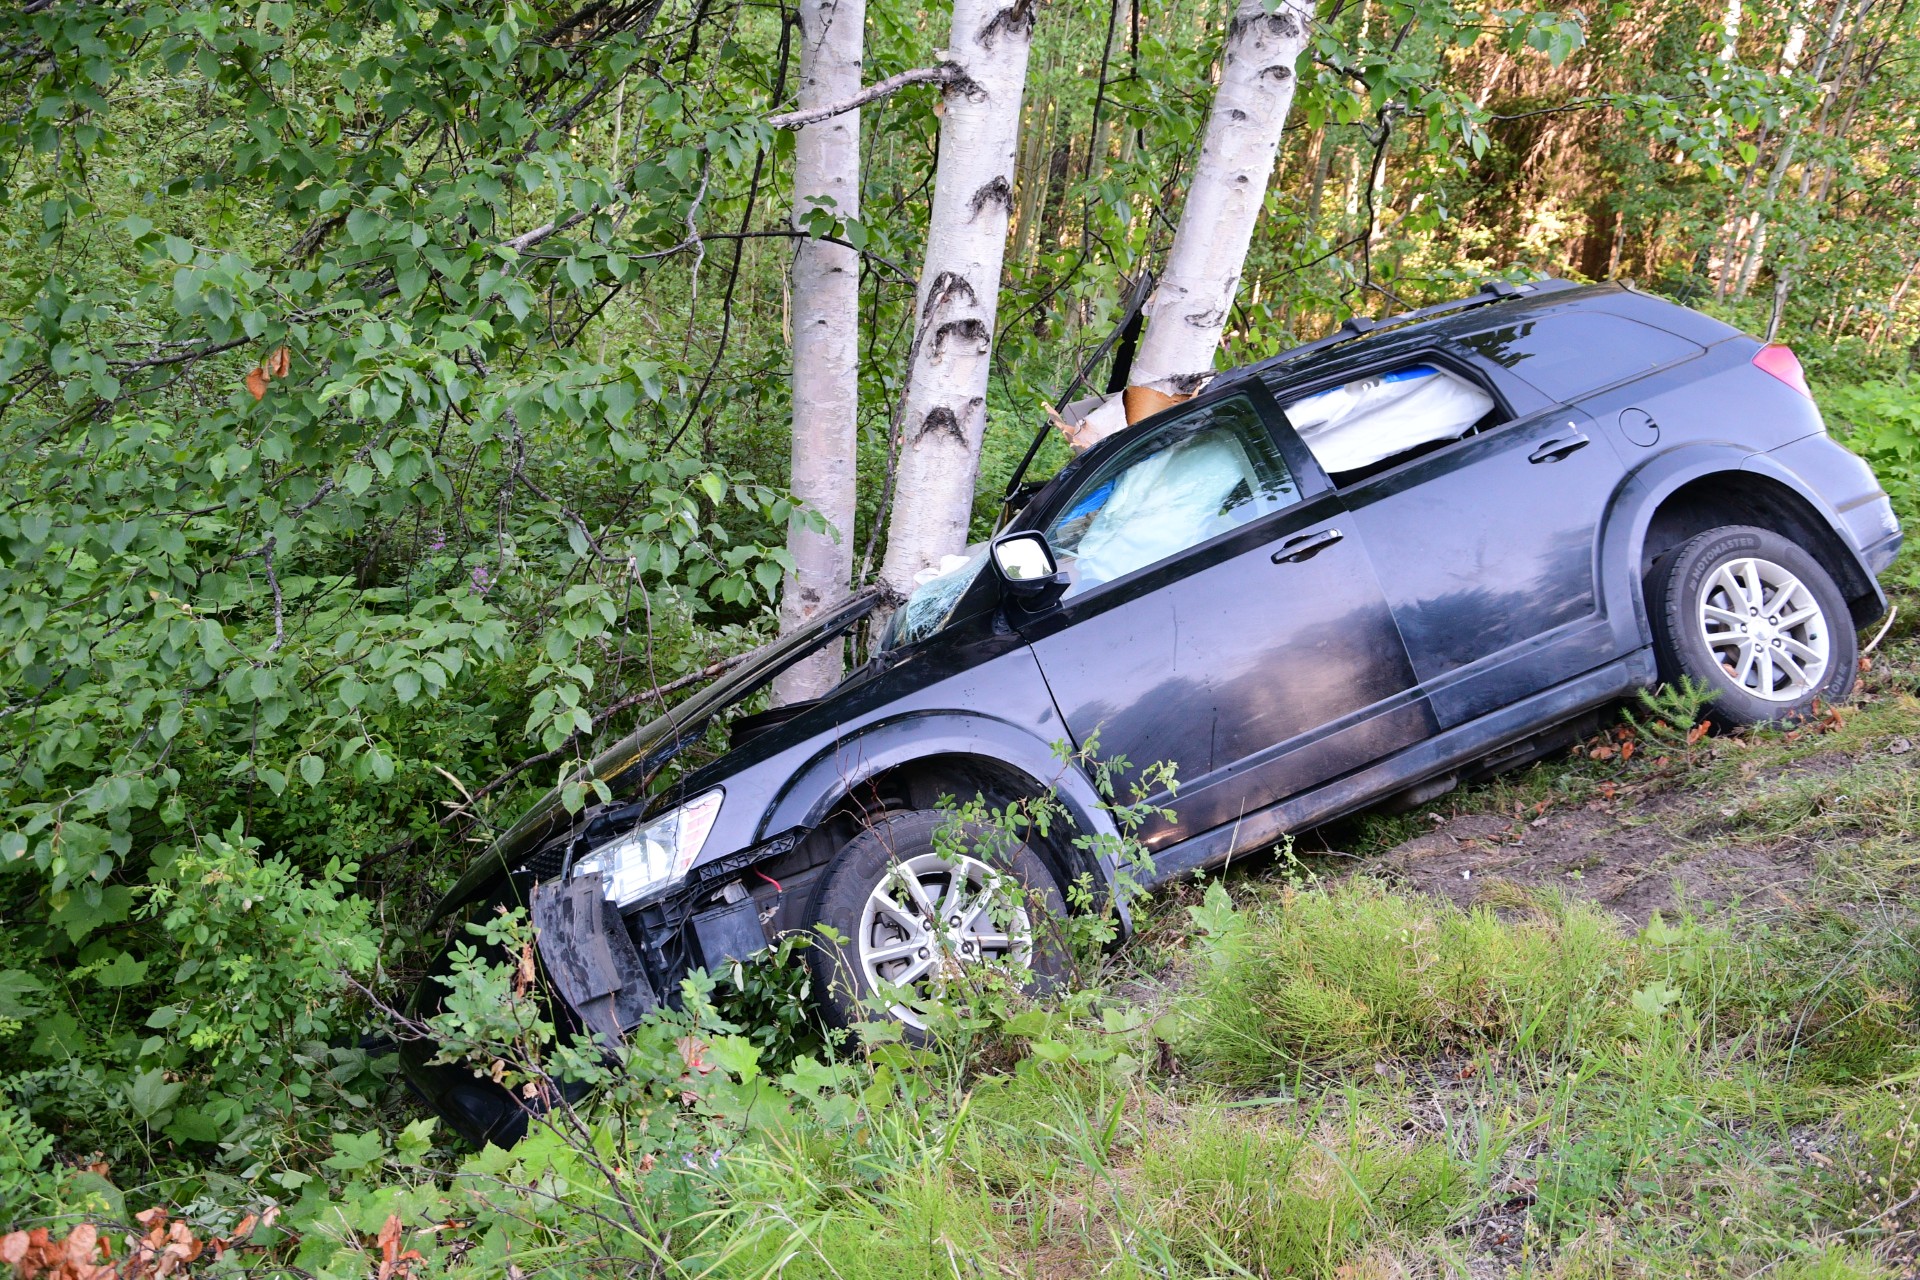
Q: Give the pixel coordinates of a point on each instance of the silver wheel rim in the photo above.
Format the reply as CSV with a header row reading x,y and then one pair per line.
x,y
931,915
1765,628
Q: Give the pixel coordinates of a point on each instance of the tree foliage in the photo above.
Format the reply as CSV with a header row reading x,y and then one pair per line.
x,y
393,399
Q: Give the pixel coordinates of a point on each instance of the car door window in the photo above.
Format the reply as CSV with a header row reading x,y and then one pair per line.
x,y
1359,428
1186,482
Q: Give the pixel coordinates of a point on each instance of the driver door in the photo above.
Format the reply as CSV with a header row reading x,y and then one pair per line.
x,y
1221,617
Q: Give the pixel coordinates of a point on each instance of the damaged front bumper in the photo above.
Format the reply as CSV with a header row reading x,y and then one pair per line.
x,y
605,968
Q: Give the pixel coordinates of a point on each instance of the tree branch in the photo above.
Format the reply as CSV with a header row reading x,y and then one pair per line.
x,y
945,74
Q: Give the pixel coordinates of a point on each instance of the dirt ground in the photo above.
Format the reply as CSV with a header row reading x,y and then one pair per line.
x,y
1660,844
1625,859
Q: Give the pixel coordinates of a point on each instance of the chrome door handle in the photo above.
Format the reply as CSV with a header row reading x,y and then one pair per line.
x,y
1306,546
1558,448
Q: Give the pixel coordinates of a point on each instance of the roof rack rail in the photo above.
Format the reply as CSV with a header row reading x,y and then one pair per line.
x,y
1359,326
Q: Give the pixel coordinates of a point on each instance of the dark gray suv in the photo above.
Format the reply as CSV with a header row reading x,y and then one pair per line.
x,y
1416,550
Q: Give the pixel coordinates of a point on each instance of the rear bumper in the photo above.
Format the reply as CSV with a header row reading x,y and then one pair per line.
x,y
1882,554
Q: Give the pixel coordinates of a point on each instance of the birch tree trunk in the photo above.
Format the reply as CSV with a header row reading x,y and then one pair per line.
x,y
1195,294
943,416
826,331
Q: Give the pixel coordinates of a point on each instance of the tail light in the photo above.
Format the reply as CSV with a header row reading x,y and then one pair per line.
x,y
1777,358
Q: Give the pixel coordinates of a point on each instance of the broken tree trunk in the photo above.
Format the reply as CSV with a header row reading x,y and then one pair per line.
x,y
826,314
1195,295
943,414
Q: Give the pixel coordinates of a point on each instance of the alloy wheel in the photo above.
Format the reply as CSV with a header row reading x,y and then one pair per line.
x,y
1765,628
931,914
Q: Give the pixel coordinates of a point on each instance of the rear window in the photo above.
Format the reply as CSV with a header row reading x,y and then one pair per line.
x,y
1567,355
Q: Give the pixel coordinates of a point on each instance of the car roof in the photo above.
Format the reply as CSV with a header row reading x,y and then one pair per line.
x,y
1360,344
1382,341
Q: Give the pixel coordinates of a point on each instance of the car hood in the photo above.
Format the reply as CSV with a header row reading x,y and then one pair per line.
x,y
627,766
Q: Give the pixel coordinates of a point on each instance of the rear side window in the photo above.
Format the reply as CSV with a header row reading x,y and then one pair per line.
x,y
1567,355
1360,428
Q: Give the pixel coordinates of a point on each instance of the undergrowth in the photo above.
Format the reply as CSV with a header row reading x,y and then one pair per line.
x,y
1295,1070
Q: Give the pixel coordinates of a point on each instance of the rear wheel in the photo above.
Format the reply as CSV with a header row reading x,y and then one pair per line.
x,y
1756,619
914,914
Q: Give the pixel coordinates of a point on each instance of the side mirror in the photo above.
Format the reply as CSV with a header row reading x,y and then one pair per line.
x,y
1026,568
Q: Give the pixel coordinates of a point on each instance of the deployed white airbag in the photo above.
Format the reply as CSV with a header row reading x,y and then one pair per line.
x,y
1361,423
1163,504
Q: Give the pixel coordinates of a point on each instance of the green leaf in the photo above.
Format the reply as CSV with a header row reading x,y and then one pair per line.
x,y
1655,999
79,917
189,1124
311,769
1215,914
16,985
150,1094
353,1152
125,971
415,1140
736,1054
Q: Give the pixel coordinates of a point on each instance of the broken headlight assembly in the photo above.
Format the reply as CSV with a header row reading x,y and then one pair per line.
x,y
655,853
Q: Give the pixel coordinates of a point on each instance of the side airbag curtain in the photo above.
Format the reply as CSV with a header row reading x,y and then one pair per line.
x,y
1356,425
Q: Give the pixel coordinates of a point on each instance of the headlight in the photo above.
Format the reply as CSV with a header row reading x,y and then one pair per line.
x,y
655,853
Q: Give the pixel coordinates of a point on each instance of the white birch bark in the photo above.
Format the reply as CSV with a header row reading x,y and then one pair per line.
x,y
943,415
1190,306
826,313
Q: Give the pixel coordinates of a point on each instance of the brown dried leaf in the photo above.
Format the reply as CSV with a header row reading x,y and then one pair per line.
x,y
257,383
390,1239
524,975
279,363
693,1052
13,1247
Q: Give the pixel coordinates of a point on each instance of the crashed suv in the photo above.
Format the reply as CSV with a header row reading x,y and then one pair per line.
x,y
1415,551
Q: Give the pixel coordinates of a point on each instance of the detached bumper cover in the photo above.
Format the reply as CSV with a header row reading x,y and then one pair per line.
x,y
590,957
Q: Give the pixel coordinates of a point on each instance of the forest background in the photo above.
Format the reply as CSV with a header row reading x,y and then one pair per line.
x,y
394,399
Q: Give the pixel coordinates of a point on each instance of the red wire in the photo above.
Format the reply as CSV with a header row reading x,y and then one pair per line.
x,y
769,879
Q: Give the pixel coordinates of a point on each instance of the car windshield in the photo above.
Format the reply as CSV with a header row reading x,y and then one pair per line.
x,y
932,603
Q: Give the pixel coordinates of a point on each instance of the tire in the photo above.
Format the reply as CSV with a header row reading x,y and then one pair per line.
x,y
865,900
1761,672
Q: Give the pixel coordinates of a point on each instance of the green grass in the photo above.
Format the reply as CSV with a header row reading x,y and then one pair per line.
x,y
1342,974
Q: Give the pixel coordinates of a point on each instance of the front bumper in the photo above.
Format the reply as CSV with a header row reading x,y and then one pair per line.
x,y
602,973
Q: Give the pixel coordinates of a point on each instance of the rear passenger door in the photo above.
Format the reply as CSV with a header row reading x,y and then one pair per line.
x,y
1486,551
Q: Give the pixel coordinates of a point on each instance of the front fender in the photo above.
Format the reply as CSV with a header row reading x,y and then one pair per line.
x,y
837,772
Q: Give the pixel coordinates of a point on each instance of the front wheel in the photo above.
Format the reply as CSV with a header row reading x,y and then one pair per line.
x,y
1754,618
913,910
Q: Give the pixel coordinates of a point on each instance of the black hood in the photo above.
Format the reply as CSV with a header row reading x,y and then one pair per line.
x,y
631,763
